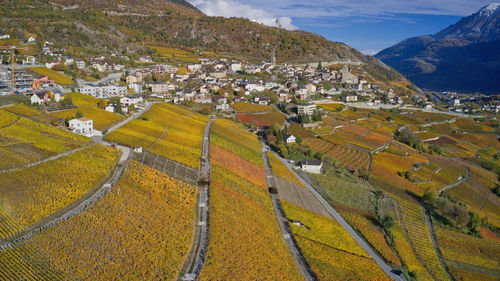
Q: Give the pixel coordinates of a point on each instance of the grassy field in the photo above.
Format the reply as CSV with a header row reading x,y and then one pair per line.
x,y
347,190
58,77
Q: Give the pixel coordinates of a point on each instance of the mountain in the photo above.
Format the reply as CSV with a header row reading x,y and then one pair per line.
x,y
99,27
463,57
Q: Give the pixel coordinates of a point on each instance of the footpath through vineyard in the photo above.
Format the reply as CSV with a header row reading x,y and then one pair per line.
x,y
380,262
196,257
283,221
79,205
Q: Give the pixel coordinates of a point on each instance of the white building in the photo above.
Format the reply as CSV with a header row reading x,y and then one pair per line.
x,y
80,64
194,67
348,77
222,107
136,87
350,98
255,87
110,108
235,67
306,108
311,166
83,126
289,138
104,91
128,100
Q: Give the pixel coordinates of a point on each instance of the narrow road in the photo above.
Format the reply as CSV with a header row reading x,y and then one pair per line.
x,y
130,118
381,263
196,257
283,222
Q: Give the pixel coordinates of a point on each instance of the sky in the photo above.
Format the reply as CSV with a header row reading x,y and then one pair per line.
x,y
367,25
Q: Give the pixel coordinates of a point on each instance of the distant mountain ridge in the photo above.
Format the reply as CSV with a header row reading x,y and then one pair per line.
x,y
462,57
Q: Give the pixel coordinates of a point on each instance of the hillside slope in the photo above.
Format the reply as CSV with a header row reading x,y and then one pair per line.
x,y
463,57
119,26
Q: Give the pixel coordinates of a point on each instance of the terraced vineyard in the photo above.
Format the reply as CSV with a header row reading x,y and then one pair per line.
x,y
480,255
238,165
175,132
330,251
345,155
22,110
30,195
232,137
417,231
244,238
102,119
25,141
7,118
366,223
141,229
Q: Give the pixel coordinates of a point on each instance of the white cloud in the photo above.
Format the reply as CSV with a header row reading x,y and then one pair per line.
x,y
231,8
370,52
362,8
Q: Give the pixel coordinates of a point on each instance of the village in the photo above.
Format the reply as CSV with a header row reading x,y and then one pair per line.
x,y
214,82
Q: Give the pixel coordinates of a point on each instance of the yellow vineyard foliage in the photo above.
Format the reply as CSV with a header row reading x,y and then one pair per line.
x,y
58,77
330,251
167,130
231,136
102,119
6,118
23,110
140,230
363,222
25,141
35,193
245,241
250,107
281,171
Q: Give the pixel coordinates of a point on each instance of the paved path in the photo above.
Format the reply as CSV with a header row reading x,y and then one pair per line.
x,y
130,118
283,222
196,257
387,269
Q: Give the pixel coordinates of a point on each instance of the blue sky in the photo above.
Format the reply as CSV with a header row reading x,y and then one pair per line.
x,y
363,24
